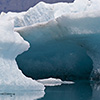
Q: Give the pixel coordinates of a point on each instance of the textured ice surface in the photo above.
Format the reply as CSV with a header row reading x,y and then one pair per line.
x,y
43,12
12,44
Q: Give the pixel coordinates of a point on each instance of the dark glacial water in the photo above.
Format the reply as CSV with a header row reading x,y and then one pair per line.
x,y
83,90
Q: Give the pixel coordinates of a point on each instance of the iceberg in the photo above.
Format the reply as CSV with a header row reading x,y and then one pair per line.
x,y
64,42
12,44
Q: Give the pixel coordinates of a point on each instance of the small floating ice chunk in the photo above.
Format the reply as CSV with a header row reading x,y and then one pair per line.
x,y
54,82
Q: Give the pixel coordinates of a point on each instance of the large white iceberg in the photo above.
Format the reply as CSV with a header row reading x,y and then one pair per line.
x,y
64,39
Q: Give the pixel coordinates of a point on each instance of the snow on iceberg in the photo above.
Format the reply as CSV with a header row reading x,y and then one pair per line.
x,y
12,44
44,12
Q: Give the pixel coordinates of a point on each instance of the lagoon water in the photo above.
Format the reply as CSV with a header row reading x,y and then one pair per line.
x,y
77,91
83,90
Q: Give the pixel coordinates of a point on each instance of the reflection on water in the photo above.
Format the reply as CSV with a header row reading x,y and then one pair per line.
x,y
22,95
96,90
77,91
81,90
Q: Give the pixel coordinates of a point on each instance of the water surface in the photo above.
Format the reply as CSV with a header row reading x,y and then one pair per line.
x,y
82,90
77,91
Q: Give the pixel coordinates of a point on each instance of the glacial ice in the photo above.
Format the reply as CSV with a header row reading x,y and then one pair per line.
x,y
12,44
64,42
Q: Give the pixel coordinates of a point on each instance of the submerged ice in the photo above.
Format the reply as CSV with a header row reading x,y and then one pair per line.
x,y
64,42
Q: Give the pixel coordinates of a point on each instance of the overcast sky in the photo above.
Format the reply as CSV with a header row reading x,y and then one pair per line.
x,y
22,5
